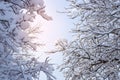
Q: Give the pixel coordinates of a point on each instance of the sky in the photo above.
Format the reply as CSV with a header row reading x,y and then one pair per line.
x,y
54,30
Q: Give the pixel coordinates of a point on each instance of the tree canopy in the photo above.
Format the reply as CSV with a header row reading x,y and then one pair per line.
x,y
94,53
18,40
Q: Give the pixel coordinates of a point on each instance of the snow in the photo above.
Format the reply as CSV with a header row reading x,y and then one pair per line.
x,y
37,2
92,55
16,46
24,25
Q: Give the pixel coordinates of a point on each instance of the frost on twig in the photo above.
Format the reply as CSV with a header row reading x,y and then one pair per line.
x,y
94,54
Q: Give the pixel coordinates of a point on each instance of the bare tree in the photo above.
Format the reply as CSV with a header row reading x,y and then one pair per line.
x,y
17,40
94,53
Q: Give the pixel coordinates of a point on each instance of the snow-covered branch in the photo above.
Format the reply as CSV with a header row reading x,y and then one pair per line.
x,y
94,54
17,36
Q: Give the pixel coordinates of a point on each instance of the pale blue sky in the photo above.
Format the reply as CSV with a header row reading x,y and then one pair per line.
x,y
54,30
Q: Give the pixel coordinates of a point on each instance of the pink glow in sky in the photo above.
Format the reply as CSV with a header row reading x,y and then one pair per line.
x,y
54,30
